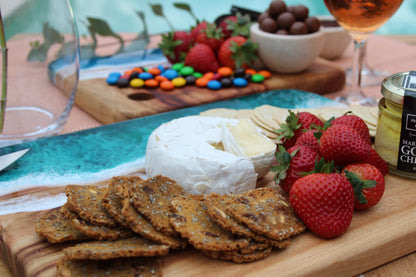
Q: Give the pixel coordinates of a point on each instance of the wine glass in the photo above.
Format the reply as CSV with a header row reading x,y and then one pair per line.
x,y
40,68
360,18
369,75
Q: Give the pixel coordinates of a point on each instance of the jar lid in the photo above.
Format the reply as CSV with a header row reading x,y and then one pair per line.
x,y
392,87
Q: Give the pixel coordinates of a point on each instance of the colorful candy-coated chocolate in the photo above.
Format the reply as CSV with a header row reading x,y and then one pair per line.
x,y
113,78
172,77
123,82
240,82
137,83
216,76
225,71
226,82
239,72
247,76
257,78
202,82
208,75
138,69
214,84
170,74
186,70
167,85
134,75
161,67
179,82
267,74
154,71
250,71
190,80
197,74
151,83
145,76
177,66
161,78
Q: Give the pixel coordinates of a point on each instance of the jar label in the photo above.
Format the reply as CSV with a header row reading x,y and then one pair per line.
x,y
407,148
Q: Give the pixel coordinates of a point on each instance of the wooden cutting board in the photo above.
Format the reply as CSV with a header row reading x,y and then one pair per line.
x,y
110,104
376,236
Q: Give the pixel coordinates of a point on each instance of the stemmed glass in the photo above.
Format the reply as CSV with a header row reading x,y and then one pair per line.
x,y
369,75
40,70
360,18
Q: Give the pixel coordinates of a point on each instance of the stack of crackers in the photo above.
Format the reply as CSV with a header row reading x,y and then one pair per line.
x,y
123,229
268,118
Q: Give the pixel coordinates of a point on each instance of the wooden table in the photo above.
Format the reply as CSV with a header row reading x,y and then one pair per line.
x,y
404,266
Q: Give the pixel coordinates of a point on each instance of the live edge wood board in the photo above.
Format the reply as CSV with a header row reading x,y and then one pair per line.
x,y
110,104
376,236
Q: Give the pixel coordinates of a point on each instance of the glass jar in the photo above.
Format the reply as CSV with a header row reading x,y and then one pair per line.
x,y
395,139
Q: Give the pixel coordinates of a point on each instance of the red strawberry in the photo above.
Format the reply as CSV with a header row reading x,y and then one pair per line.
x,y
368,184
310,139
237,52
355,122
175,45
197,29
202,58
343,145
292,163
236,25
225,23
324,202
211,36
376,160
294,126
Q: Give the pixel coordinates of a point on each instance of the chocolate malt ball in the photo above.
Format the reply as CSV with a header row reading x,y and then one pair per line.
x,y
263,16
285,20
277,7
268,25
313,24
282,32
300,12
298,28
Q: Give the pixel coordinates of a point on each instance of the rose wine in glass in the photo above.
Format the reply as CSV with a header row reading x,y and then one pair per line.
x,y
360,18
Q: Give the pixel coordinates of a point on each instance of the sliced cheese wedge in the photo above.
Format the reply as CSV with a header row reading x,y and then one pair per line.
x,y
245,140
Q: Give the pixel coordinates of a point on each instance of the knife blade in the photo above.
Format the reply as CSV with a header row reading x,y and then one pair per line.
x,y
10,158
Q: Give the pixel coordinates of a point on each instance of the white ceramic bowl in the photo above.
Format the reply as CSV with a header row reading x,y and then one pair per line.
x,y
336,40
287,53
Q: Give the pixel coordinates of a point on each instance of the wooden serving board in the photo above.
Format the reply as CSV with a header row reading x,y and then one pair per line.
x,y
376,236
110,104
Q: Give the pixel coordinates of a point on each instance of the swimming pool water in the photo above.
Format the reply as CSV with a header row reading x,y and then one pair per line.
x,y
121,15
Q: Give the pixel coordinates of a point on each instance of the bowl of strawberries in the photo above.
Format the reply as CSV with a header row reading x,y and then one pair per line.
x,y
289,39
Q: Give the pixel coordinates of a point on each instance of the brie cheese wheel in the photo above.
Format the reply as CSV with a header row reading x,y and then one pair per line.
x,y
201,154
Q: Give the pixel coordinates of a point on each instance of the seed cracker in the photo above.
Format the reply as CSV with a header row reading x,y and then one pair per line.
x,y
125,248
217,206
113,196
238,256
152,199
142,226
67,213
100,232
266,212
123,267
86,202
57,229
191,220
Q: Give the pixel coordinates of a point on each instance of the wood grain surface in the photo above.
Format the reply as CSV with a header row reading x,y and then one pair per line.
x,y
109,104
375,237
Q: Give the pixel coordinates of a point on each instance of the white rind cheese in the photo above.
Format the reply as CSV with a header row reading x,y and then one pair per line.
x,y
191,150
